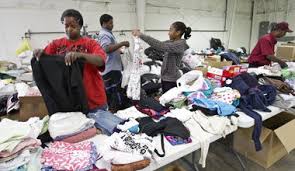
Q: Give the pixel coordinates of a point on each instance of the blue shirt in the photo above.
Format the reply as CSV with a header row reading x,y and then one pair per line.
x,y
113,62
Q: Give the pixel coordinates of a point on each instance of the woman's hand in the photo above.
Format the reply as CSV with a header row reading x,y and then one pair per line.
x,y
38,53
72,57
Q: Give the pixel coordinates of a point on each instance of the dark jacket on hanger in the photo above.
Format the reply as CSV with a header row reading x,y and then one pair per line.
x,y
61,86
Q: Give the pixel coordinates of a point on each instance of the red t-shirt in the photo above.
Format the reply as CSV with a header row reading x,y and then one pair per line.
x,y
264,47
93,83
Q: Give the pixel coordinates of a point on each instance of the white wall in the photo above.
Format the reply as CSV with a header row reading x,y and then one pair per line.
x,y
18,16
201,15
273,11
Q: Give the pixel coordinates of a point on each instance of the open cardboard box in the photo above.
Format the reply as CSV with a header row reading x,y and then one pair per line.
x,y
31,106
286,52
215,64
277,138
288,44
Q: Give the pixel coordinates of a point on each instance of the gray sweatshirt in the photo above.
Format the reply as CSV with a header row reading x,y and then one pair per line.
x,y
173,54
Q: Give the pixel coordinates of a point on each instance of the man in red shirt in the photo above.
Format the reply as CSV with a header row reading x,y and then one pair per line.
x,y
263,53
75,46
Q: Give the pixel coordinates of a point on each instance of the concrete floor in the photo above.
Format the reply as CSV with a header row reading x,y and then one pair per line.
x,y
221,159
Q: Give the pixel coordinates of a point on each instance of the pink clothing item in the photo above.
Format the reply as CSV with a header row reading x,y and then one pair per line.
x,y
89,133
5,159
226,96
29,143
97,169
33,92
66,156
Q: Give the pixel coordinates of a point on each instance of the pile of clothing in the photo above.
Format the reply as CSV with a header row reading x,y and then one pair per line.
x,y
5,77
289,74
173,130
10,93
193,89
151,107
150,83
19,146
274,70
153,67
71,127
5,66
281,79
212,110
193,110
254,96
230,56
192,59
178,126
127,151
9,100
8,103
69,156
203,127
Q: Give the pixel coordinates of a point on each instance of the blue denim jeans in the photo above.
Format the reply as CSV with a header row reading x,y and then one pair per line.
x,y
104,120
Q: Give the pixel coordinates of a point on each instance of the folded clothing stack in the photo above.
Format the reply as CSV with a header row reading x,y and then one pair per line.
x,y
71,127
69,156
18,142
127,151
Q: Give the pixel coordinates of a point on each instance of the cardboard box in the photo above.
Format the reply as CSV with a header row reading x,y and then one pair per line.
x,y
286,52
215,64
219,76
214,58
31,106
288,44
203,69
220,64
277,138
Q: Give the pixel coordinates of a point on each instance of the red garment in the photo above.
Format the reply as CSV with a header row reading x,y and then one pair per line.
x,y
151,112
93,83
89,133
264,47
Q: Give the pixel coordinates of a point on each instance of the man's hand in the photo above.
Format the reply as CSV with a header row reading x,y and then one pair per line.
x,y
283,64
125,43
71,57
38,53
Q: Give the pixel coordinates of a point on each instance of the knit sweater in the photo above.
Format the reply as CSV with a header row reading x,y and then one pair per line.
x,y
174,51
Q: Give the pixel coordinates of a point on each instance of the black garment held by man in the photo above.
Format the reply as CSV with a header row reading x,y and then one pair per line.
x,y
61,86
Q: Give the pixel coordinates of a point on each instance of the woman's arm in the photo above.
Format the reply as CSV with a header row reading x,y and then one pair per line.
x,y
167,46
178,46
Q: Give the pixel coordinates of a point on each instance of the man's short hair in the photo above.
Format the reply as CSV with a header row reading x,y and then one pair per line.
x,y
105,18
72,13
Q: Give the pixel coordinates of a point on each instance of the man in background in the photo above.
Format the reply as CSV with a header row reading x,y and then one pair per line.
x,y
112,74
263,53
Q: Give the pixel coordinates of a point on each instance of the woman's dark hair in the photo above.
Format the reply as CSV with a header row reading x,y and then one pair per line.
x,y
105,18
180,26
72,13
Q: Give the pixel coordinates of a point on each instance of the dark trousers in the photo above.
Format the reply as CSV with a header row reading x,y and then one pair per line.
x,y
167,85
254,65
114,92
